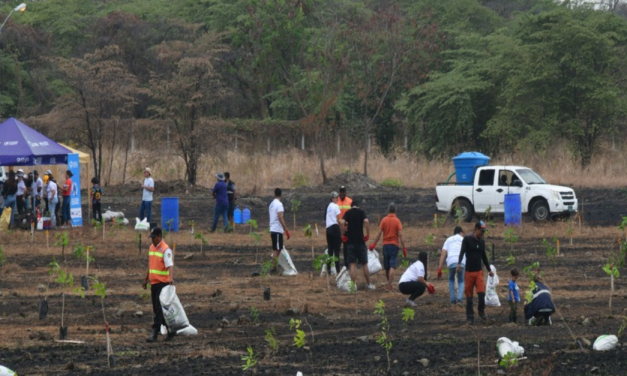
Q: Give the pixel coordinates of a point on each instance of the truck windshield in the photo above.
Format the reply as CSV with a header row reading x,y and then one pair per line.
x,y
530,176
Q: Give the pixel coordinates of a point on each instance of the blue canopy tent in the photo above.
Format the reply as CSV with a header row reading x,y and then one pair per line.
x,y
20,145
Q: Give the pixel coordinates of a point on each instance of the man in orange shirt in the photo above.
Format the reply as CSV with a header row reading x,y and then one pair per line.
x,y
345,204
391,228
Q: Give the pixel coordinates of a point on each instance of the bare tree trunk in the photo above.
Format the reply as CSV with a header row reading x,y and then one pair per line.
x,y
319,151
366,150
131,141
112,150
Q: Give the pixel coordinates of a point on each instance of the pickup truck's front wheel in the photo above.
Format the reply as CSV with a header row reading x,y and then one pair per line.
x,y
540,211
467,211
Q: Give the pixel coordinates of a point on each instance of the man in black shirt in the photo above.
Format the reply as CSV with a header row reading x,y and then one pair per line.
x,y
473,246
230,193
356,251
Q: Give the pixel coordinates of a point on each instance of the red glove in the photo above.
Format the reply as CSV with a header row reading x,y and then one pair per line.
x,y
439,273
431,289
344,238
405,252
287,234
366,238
371,247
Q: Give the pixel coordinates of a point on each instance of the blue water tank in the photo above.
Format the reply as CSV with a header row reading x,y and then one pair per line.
x,y
245,215
513,209
170,212
237,216
466,164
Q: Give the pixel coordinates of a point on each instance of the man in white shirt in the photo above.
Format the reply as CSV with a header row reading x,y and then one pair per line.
x,y
148,187
450,253
36,190
277,226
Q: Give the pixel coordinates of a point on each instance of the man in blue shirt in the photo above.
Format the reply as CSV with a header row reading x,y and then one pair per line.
x,y
222,203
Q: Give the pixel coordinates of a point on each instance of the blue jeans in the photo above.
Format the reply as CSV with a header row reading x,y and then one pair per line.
x,y
52,203
390,254
65,211
460,282
10,202
145,208
220,210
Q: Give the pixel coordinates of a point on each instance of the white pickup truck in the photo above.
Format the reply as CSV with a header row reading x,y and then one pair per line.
x,y
491,183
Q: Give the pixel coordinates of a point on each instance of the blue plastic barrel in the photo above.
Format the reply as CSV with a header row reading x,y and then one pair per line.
x,y
237,216
513,209
466,164
170,211
245,215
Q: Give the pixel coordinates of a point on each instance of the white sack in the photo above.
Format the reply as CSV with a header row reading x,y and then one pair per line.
x,y
491,297
343,280
142,225
605,343
324,270
4,371
285,262
172,308
108,216
504,345
374,265
187,331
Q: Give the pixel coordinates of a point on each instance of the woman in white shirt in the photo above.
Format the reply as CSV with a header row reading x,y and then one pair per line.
x,y
334,235
53,200
413,281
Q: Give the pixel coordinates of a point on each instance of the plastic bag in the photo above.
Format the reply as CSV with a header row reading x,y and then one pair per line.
x,y
5,220
142,225
187,331
4,371
504,345
285,262
343,280
172,308
491,297
109,216
374,265
324,270
605,343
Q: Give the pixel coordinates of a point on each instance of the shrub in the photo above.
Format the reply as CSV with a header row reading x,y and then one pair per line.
x,y
392,183
299,180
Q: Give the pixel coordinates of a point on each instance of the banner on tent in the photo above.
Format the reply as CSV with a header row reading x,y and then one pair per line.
x,y
75,195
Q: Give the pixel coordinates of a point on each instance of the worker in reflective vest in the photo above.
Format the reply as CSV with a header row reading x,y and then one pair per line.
x,y
345,204
160,274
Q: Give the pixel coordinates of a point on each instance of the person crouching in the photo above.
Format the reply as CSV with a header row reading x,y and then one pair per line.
x,y
414,281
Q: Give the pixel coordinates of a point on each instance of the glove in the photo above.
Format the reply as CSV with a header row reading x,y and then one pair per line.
x,y
371,247
344,238
405,252
439,273
287,234
431,289
366,238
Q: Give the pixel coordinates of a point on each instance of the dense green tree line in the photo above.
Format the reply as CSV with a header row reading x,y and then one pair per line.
x,y
493,75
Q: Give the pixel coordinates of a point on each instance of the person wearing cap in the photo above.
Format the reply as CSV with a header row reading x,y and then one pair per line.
x,y
230,192
96,196
52,199
334,234
66,192
148,188
344,204
355,241
36,190
160,274
45,190
450,254
277,226
391,228
220,194
21,191
473,248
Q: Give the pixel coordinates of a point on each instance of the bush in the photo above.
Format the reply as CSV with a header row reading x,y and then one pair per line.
x,y
392,183
299,180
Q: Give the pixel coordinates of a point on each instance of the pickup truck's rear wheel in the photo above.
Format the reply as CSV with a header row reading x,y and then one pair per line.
x,y
467,211
540,211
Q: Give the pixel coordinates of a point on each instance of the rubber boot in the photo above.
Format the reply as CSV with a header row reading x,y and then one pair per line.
x,y
470,313
481,306
153,336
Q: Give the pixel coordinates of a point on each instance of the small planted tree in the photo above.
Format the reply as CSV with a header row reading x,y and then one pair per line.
x,y
81,253
324,259
550,249
408,314
66,281
429,239
203,241
510,237
299,337
270,337
62,240
610,268
307,231
249,360
294,208
383,339
101,291
255,235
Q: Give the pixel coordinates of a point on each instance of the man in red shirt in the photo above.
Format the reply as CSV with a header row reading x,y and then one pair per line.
x,y
391,228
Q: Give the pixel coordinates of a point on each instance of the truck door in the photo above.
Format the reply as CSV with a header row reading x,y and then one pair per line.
x,y
484,190
506,185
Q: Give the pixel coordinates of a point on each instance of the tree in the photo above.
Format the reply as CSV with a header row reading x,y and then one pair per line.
x,y
101,92
188,89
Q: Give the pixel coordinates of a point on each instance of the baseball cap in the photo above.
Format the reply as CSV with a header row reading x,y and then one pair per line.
x,y
343,188
147,169
480,225
220,176
156,232
20,171
48,172
334,194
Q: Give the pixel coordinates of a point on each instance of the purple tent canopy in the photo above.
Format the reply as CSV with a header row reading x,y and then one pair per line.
x,y
21,145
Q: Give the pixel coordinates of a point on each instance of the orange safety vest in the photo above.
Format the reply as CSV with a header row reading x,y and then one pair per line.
x,y
158,273
344,205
